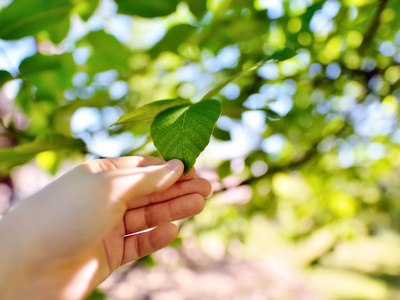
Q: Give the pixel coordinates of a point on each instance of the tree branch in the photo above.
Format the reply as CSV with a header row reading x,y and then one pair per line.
x,y
368,36
308,156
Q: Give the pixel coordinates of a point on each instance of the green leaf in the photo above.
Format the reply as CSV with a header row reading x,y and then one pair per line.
x,y
221,134
149,111
85,8
22,18
51,75
224,169
96,295
283,54
107,54
220,86
307,16
271,114
39,63
279,55
147,8
59,31
184,132
197,7
172,39
4,77
13,156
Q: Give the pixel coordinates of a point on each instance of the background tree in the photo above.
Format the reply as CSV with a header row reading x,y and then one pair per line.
x,y
305,154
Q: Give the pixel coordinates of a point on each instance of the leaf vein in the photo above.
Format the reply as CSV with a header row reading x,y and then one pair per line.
x,y
168,129
172,146
206,114
193,141
192,150
197,130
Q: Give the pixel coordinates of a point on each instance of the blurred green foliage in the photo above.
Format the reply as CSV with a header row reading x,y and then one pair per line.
x,y
321,172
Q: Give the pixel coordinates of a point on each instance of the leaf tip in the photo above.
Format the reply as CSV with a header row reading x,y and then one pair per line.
x,y
115,123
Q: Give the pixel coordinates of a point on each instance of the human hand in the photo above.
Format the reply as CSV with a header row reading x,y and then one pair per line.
x,y
66,239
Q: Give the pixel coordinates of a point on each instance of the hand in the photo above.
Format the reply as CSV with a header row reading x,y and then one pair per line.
x,y
66,239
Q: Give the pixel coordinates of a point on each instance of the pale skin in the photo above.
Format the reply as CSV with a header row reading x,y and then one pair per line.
x,y
69,237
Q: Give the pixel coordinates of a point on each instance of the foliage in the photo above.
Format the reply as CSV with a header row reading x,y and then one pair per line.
x,y
194,122
319,153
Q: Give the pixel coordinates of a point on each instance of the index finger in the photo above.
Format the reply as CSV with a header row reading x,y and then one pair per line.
x,y
129,162
124,162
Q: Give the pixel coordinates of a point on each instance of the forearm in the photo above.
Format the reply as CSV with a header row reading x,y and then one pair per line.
x,y
13,265
24,273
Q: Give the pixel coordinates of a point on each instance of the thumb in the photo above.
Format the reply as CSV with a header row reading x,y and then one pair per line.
x,y
127,184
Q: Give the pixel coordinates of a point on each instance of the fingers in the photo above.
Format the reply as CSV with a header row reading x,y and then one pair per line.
x,y
181,188
126,162
189,176
146,243
165,212
127,184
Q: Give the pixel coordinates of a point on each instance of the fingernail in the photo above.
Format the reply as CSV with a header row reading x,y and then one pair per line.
x,y
175,165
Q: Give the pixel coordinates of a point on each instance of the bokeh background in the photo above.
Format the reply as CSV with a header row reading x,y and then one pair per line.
x,y
304,161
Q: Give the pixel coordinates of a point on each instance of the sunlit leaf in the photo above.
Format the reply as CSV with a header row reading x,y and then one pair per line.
x,y
148,111
148,8
23,18
49,74
107,52
184,132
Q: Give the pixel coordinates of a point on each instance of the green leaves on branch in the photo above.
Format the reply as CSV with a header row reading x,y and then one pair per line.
x,y
180,129
25,18
184,132
13,156
51,75
279,55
